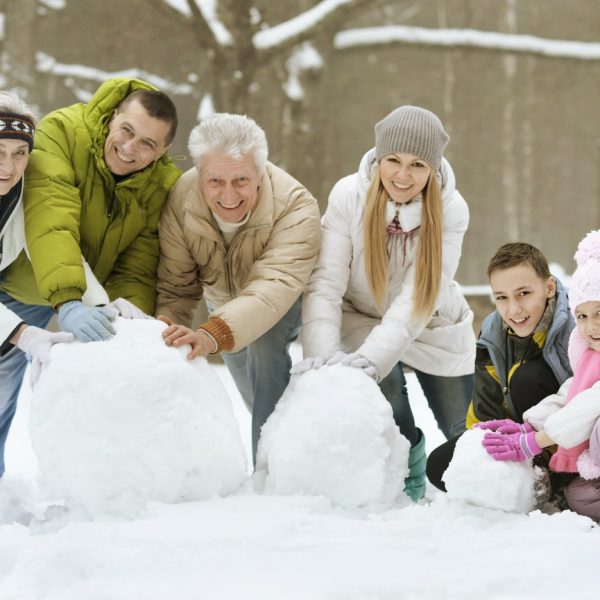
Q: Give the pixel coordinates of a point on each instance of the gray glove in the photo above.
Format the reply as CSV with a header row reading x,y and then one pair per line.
x,y
358,361
127,309
36,343
307,364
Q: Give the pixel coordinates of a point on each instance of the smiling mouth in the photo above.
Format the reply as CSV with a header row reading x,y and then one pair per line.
x,y
520,322
5,177
123,158
401,186
232,207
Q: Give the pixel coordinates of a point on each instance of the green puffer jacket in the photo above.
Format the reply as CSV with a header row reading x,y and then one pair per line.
x,y
74,207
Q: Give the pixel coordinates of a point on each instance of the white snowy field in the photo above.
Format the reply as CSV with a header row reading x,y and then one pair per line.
x,y
286,547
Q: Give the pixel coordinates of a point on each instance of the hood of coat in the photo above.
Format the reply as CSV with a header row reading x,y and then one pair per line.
x,y
409,214
368,163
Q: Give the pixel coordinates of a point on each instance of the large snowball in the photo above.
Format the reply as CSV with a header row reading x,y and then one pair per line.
x,y
332,433
115,424
474,476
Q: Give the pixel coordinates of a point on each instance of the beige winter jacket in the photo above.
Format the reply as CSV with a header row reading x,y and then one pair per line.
x,y
255,281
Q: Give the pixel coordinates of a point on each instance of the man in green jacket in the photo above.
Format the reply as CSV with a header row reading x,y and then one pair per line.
x,y
96,183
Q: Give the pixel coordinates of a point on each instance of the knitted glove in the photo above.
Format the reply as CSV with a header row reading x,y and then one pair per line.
x,y
358,361
36,343
87,323
512,446
128,310
307,364
504,426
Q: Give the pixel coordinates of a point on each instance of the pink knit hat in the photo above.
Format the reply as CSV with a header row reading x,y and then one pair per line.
x,y
585,283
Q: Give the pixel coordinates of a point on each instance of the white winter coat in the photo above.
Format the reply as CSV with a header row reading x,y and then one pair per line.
x,y
13,241
339,311
567,424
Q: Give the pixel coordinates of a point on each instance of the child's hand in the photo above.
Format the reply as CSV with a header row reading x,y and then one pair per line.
x,y
513,446
504,426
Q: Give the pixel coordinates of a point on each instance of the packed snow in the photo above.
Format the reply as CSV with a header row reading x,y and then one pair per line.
x,y
265,546
473,476
492,40
116,424
333,433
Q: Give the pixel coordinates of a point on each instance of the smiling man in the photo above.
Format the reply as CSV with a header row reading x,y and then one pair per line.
x,y
245,234
96,182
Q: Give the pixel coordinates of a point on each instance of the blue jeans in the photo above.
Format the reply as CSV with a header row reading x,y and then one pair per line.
x,y
261,370
13,364
448,398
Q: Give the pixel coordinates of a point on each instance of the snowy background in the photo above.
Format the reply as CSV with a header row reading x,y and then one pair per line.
x,y
246,545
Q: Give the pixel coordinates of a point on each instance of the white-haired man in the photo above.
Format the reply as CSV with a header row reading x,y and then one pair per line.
x,y
245,234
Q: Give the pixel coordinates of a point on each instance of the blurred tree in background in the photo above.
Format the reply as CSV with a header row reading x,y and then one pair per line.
x,y
516,84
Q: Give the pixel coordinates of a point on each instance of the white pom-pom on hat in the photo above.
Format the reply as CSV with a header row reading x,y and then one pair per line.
x,y
585,283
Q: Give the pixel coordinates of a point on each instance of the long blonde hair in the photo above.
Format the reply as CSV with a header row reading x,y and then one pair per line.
x,y
428,267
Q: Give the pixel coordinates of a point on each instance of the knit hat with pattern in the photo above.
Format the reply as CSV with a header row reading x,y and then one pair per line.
x,y
585,283
412,130
16,127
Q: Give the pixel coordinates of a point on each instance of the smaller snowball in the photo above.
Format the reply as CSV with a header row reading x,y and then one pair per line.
x,y
333,434
475,477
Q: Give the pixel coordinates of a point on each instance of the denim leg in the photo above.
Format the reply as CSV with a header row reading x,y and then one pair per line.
x,y
393,387
261,371
13,364
448,398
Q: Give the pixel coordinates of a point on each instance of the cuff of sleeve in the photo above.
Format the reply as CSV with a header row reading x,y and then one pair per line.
x,y
220,332
66,295
7,344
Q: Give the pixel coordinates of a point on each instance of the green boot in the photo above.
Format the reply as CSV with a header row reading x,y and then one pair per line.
x,y
414,484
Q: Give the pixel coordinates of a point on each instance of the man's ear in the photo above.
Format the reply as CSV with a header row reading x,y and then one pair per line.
x,y
550,287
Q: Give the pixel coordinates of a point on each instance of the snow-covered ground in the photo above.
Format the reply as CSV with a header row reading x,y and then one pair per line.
x,y
251,546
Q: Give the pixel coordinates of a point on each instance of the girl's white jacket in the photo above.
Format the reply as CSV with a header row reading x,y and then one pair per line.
x,y
567,424
339,312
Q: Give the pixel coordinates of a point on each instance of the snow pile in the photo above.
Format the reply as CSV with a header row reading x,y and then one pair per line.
x,y
474,476
17,501
332,433
118,423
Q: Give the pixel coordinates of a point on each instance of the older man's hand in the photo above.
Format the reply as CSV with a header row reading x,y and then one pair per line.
x,y
201,341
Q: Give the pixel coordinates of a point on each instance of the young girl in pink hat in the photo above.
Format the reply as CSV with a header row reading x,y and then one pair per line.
x,y
570,418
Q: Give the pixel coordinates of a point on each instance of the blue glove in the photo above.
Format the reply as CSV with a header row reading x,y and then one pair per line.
x,y
88,324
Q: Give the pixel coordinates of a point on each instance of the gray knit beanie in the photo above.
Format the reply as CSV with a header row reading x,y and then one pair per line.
x,y
412,130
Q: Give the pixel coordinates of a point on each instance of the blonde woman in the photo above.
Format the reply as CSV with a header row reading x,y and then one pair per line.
x,y
383,294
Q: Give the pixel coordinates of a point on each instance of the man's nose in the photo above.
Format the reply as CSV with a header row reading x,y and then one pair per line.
x,y
129,146
229,192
